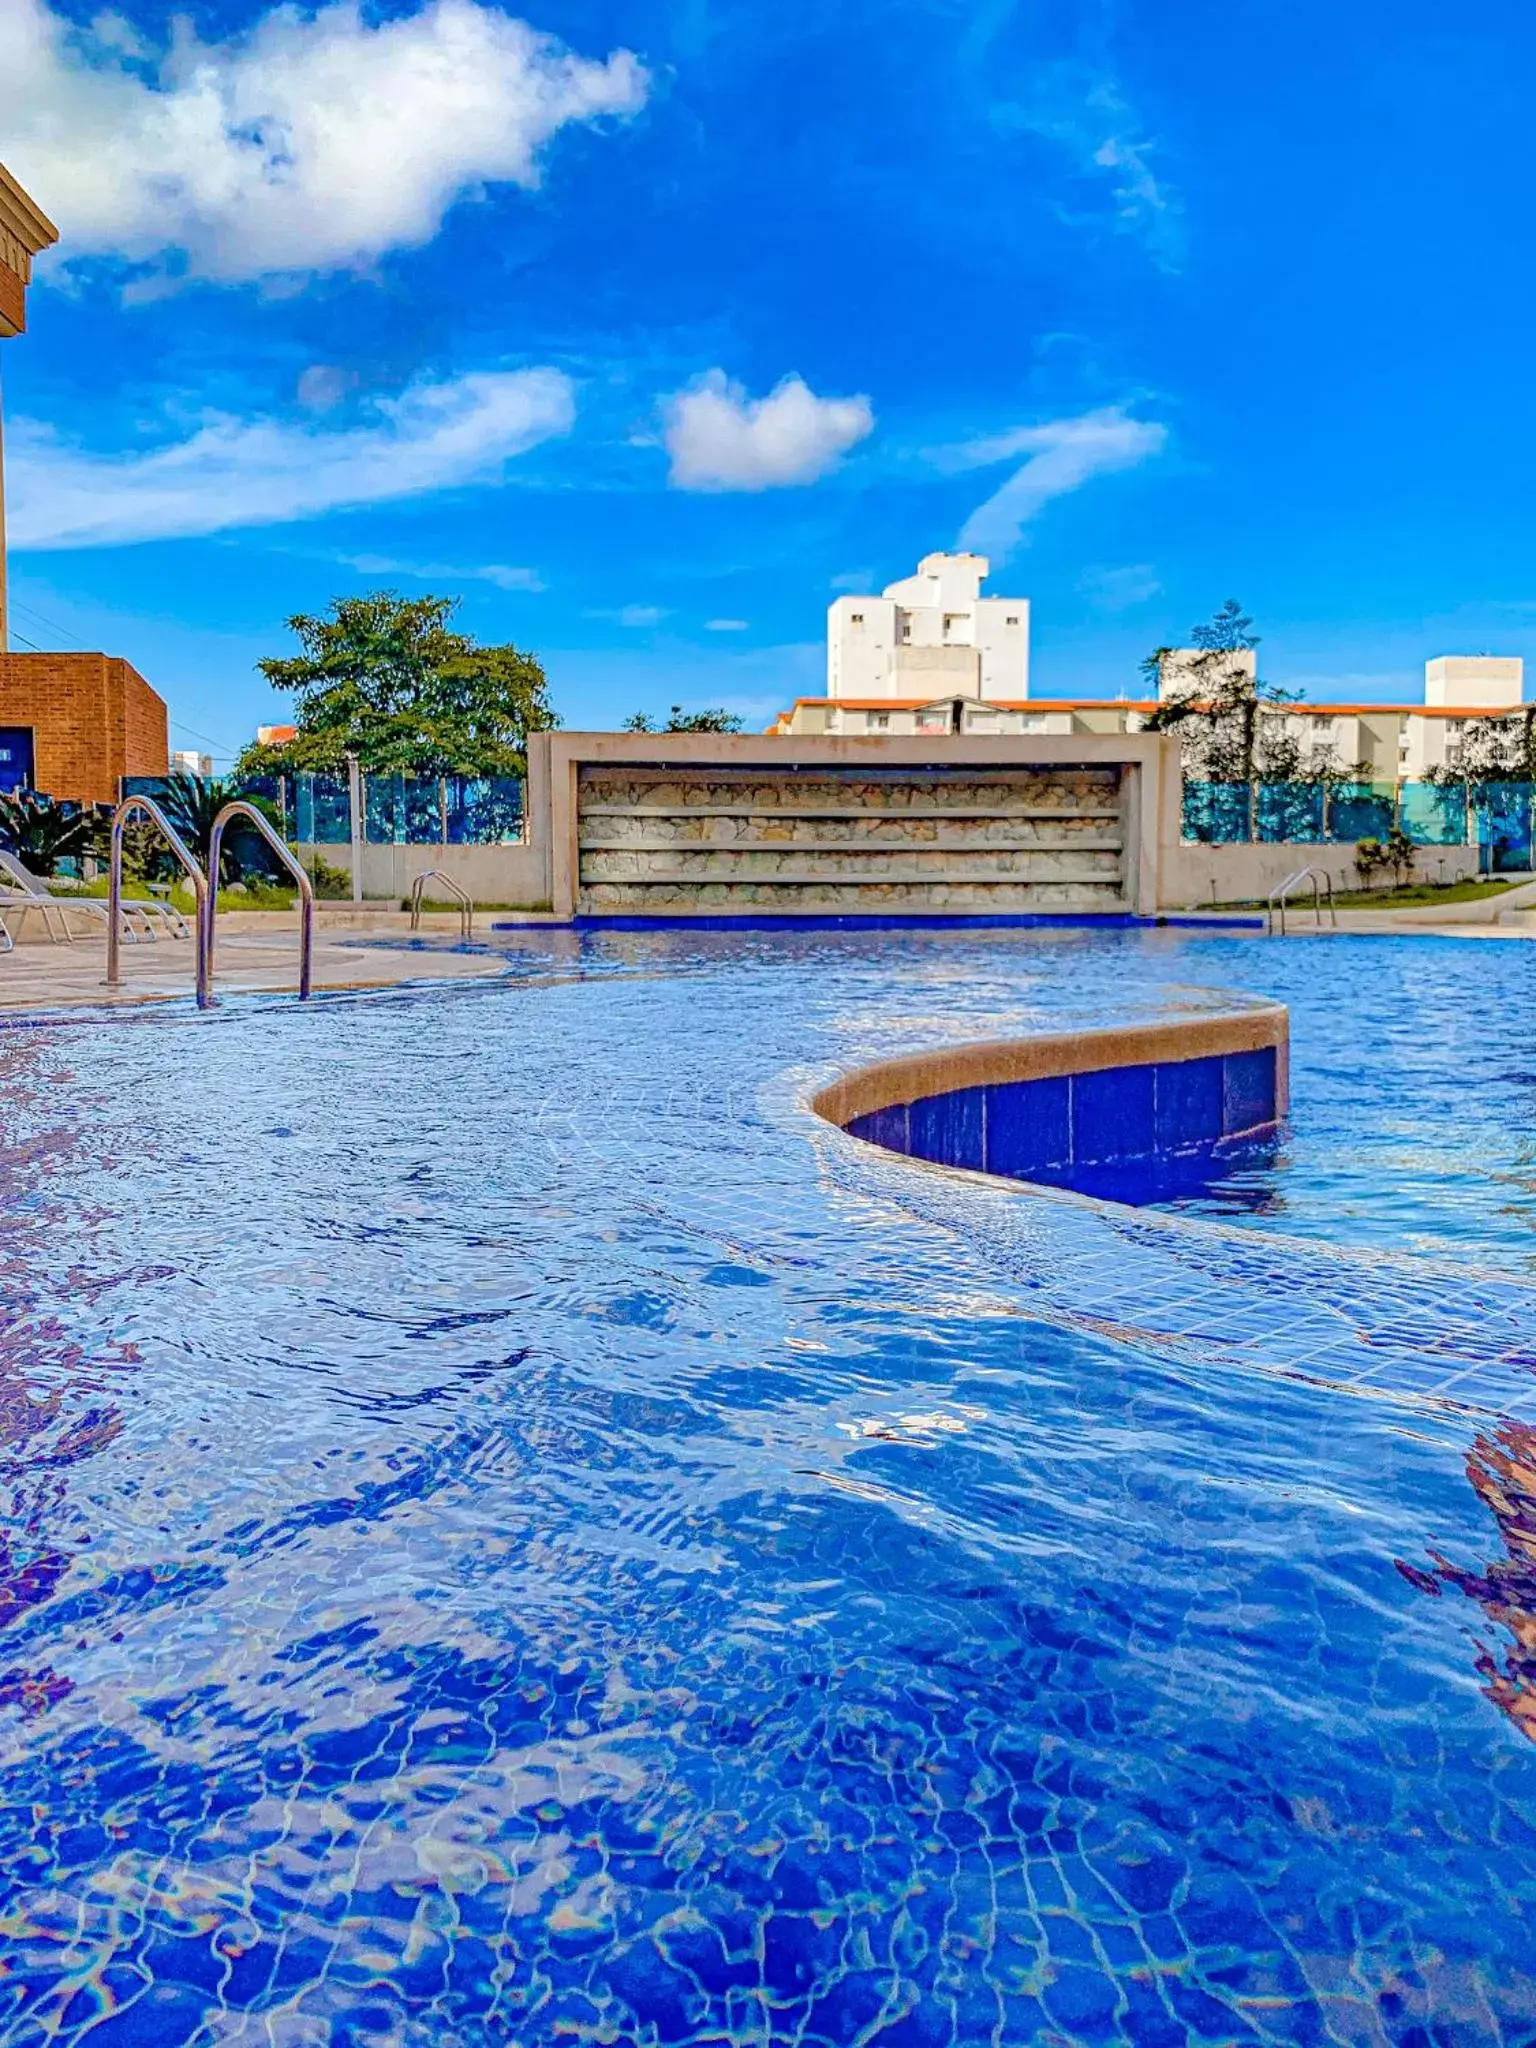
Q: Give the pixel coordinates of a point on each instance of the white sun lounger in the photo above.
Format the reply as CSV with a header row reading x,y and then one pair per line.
x,y
22,892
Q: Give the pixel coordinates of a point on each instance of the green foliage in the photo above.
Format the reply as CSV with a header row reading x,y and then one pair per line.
x,y
1370,859
1227,630
192,802
42,833
1492,750
686,721
331,884
1223,713
1397,852
1400,852
388,679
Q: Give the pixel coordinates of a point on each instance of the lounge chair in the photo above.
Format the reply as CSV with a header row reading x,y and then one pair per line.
x,y
21,892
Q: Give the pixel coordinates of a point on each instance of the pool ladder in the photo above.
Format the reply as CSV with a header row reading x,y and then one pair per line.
x,y
205,893
1322,891
465,900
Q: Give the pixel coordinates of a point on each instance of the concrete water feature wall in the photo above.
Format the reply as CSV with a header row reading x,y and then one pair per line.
x,y
701,825
709,824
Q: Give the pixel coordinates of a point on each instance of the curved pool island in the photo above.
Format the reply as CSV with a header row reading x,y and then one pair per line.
x,y
1122,1113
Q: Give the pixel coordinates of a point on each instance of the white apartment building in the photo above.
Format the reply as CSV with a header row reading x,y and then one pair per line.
x,y
878,683
931,636
1458,688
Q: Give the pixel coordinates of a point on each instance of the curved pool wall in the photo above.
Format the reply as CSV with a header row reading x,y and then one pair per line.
x,y
1126,1112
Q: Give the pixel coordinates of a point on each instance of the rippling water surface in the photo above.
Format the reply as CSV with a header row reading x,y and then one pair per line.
x,y
512,1533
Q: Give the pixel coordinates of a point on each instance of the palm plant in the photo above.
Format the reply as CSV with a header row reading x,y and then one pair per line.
x,y
193,802
43,834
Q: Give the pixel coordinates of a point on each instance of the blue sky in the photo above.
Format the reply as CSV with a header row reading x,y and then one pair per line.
x,y
647,329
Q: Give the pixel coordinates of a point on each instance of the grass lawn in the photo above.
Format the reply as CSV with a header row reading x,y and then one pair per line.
x,y
1387,899
1417,892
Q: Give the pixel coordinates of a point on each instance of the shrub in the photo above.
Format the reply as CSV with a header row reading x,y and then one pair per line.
x,y
1370,858
42,833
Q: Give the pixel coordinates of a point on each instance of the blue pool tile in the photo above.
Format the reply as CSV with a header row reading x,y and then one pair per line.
x,y
1029,1127
949,1128
1248,1090
883,1127
1112,1114
1189,1099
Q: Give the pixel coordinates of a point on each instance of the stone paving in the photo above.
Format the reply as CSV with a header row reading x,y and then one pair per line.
x,y
263,961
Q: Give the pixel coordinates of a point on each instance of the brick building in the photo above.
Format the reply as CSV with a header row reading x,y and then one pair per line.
x,y
72,725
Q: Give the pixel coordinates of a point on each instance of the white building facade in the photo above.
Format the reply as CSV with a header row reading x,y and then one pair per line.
x,y
931,636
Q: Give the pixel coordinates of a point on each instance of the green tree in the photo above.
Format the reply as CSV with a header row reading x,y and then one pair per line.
x,y
1492,750
686,721
1219,709
388,679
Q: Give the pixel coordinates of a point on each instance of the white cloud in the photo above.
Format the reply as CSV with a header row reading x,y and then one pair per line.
x,y
1081,108
1060,456
1120,590
311,142
501,574
632,615
322,387
721,440
726,625
236,473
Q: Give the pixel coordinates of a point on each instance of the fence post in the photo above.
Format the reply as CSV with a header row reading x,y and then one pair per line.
x,y
356,823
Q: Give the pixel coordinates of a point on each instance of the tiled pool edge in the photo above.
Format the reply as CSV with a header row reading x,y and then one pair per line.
x,y
1070,1108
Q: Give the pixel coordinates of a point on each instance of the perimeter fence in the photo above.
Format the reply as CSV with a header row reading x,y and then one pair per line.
x,y
397,810
1499,818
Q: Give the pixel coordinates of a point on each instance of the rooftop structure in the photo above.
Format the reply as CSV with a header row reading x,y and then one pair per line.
x,y
930,635
25,231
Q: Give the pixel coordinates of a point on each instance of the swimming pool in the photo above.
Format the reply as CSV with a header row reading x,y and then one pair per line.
x,y
515,1532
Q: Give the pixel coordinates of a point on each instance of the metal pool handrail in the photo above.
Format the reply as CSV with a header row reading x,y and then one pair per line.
x,y
1279,895
241,809
466,901
178,846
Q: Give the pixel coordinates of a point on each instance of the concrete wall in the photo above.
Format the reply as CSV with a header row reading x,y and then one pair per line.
x,y
515,875
1196,876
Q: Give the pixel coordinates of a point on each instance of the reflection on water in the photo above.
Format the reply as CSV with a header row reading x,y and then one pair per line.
x,y
1502,1469
500,1542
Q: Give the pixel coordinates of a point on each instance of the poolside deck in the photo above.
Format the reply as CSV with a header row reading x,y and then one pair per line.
x,y
258,954
253,956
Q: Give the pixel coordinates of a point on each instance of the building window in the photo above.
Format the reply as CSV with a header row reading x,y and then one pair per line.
x,y
953,621
904,626
856,618
1010,622
879,721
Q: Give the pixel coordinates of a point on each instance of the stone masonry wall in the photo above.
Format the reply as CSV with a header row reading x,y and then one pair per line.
x,y
659,841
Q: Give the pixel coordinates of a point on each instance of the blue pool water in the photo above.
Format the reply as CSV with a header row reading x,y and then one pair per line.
x,y
512,1532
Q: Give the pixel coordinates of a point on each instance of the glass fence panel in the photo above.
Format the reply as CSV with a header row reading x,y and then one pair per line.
x,y
1289,810
1432,816
1357,811
1217,813
399,810
1502,815
485,811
